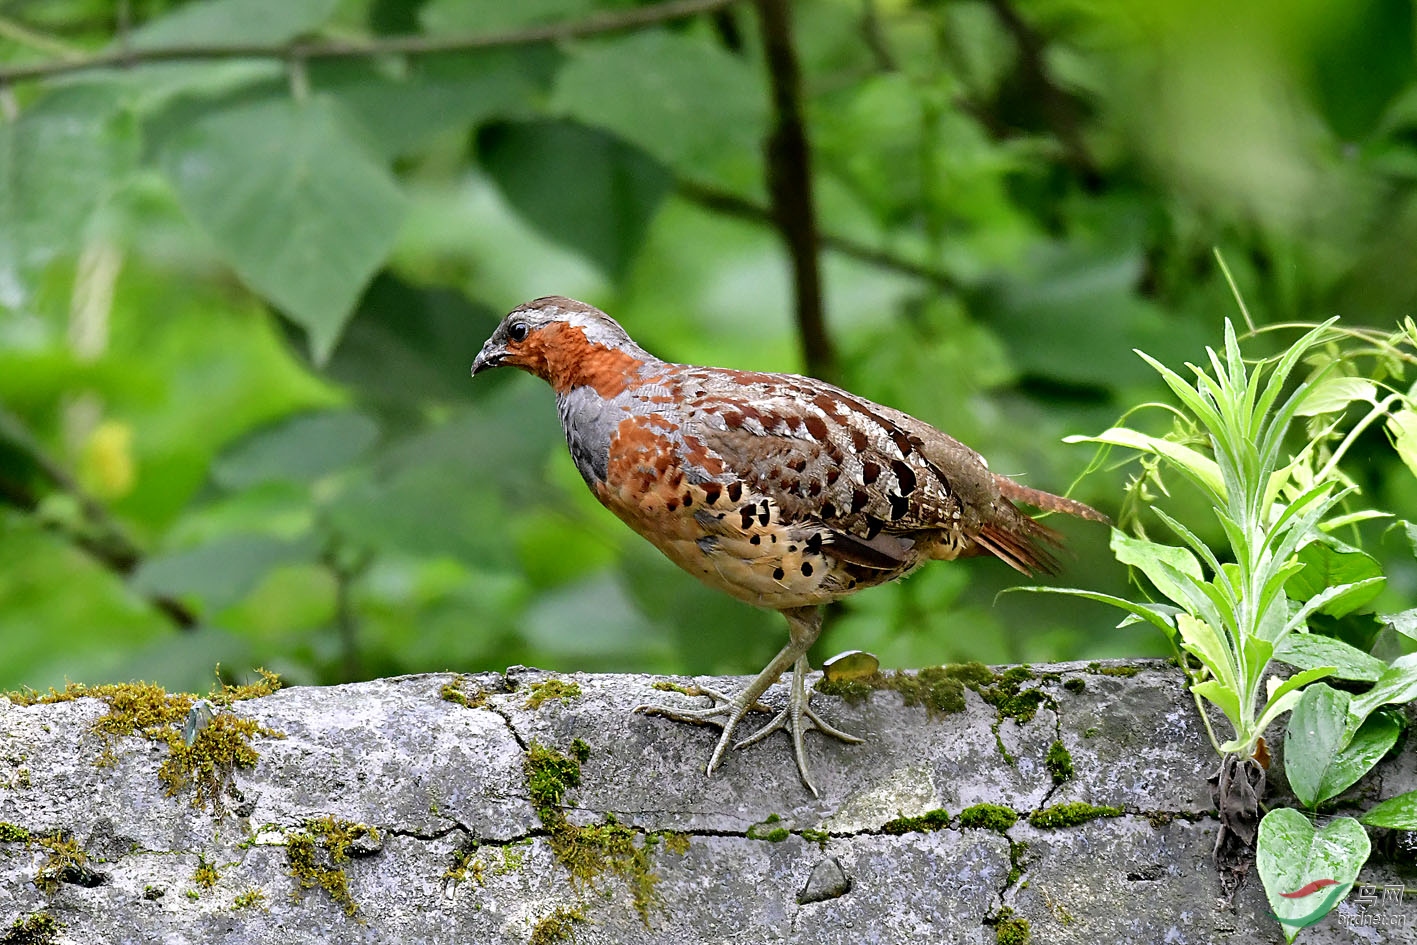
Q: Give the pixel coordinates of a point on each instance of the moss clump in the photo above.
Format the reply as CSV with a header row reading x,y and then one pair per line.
x,y
249,899
1126,672
769,830
13,833
928,822
665,685
1059,762
994,817
1011,930
819,837
317,854
1075,684
559,926
466,865
66,863
456,693
591,851
147,710
205,875
675,842
939,688
1008,697
1017,865
552,689
1070,815
37,928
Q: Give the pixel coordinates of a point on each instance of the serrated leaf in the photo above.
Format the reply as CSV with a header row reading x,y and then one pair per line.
x,y
659,104
291,201
233,23
1333,394
1291,854
1311,650
578,186
297,449
223,571
1395,813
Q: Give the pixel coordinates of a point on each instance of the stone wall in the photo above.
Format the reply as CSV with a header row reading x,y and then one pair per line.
x,y
502,809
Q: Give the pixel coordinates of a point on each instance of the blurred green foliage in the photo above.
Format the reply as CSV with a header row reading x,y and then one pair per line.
x,y
239,296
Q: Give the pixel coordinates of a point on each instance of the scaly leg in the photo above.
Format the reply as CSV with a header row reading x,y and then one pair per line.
x,y
804,625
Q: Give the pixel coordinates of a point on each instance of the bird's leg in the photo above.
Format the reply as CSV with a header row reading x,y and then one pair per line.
x,y
804,625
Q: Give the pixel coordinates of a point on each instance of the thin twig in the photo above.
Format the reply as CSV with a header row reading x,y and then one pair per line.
x,y
109,543
790,185
617,21
733,205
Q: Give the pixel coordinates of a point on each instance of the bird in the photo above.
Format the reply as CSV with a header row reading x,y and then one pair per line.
x,y
781,490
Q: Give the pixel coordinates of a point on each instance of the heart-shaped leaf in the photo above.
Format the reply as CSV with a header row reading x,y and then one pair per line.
x,y
1320,866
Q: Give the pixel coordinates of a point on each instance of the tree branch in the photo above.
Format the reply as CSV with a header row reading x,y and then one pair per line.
x,y
790,185
731,204
392,45
107,541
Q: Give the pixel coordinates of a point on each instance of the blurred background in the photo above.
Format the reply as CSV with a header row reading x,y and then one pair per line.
x,y
249,248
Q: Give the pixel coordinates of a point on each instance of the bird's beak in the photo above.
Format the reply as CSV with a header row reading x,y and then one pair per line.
x,y
489,357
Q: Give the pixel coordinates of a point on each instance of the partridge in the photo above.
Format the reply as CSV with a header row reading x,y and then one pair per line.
x,y
783,491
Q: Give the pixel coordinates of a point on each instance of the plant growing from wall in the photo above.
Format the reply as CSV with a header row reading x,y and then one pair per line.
x,y
1232,613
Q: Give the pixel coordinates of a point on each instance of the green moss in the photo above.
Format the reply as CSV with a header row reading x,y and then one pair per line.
x,y
1075,684
13,833
456,693
819,837
148,711
1009,698
466,865
1011,930
928,822
317,854
37,928
153,893
1070,815
665,685
249,899
206,874
674,841
769,830
1092,732
587,852
65,862
852,690
552,689
559,926
995,817
939,688
1017,864
1097,669
1059,762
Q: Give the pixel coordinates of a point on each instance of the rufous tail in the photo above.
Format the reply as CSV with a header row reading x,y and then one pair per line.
x,y
1047,501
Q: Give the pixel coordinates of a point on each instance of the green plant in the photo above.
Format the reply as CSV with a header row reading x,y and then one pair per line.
x,y
1230,615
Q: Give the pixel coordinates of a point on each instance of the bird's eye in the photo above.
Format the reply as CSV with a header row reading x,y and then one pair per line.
x,y
517,331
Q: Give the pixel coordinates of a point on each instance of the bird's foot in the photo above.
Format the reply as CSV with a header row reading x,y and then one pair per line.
x,y
798,718
726,712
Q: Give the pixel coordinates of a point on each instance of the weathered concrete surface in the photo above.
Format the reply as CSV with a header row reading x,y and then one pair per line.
x,y
432,777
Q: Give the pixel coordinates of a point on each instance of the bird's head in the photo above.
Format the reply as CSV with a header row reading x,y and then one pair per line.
x,y
565,343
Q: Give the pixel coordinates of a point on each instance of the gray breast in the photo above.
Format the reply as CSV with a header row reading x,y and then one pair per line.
x,y
589,422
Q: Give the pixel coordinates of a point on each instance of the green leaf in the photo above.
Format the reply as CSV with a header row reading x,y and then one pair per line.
x,y
658,104
64,155
1146,556
1311,650
1318,761
223,571
1291,853
1333,394
1397,685
297,449
1404,622
1199,467
1402,426
578,186
1349,578
1154,614
1205,643
291,201
490,16
233,23
1395,813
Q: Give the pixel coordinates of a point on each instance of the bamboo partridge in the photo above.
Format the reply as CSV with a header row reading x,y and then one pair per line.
x,y
783,491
